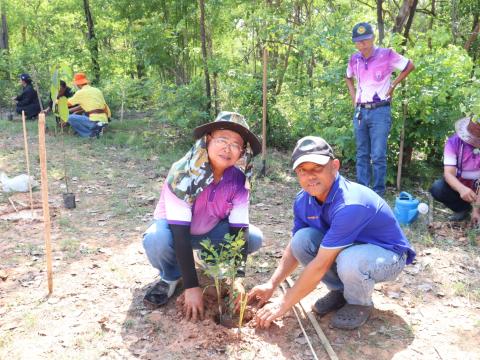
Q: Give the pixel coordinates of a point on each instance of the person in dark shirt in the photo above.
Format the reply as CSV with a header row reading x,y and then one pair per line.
x,y
28,100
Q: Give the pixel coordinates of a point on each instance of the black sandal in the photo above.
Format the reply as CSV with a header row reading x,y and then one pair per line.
x,y
332,301
157,295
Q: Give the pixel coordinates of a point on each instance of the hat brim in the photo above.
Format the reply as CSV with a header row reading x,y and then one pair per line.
x,y
362,37
314,158
81,82
461,128
246,134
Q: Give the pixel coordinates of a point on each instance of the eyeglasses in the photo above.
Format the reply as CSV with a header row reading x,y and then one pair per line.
x,y
223,142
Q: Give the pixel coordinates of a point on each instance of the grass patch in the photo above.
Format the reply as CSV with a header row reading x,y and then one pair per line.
x,y
70,247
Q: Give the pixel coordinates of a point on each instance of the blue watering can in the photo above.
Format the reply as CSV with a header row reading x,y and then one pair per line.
x,y
406,208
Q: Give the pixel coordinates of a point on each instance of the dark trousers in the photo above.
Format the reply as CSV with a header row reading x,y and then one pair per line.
x,y
442,192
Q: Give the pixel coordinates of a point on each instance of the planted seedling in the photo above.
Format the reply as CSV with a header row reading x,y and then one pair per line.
x,y
223,262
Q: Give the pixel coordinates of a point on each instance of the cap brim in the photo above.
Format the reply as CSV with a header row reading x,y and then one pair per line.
x,y
314,158
461,128
362,37
246,134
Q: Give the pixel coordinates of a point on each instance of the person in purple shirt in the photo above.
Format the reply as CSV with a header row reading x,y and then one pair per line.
x,y
459,188
344,234
205,195
368,79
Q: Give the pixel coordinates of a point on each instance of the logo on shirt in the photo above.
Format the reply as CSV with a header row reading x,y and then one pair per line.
x,y
361,30
314,217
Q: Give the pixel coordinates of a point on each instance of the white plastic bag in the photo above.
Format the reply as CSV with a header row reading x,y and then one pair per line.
x,y
17,184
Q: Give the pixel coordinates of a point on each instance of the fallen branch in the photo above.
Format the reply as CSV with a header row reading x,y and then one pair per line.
x,y
11,202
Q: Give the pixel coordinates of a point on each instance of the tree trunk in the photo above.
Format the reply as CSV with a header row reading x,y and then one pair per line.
x,y
473,36
380,23
215,76
4,32
408,26
204,54
92,41
402,16
430,25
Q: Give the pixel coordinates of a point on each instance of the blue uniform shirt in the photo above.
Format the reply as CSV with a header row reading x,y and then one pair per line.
x,y
351,214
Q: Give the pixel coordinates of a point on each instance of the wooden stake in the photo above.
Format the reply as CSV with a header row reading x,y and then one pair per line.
x,y
301,326
402,139
27,157
46,211
316,326
264,113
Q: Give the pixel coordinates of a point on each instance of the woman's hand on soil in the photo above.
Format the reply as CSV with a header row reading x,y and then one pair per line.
x,y
193,306
467,194
270,312
262,292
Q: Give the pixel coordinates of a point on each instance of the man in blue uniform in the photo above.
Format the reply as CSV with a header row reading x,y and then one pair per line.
x,y
344,234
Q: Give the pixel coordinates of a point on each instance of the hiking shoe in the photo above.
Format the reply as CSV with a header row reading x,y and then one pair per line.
x,y
351,317
159,293
459,215
332,301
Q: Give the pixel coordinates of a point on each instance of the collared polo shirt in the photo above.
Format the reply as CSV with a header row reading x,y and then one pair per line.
x,y
373,74
227,199
351,214
463,156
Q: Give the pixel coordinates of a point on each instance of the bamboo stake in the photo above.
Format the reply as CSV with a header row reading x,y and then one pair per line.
x,y
316,326
28,160
301,326
46,211
264,113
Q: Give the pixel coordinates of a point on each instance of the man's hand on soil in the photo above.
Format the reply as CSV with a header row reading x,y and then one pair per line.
x,y
262,292
193,306
270,312
475,218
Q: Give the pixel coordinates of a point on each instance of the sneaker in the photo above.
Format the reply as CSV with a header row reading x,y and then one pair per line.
x,y
159,293
459,215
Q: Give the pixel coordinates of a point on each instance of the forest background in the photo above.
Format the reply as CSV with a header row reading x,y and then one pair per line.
x,y
182,61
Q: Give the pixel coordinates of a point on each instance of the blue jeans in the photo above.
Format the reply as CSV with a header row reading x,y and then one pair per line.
x,y
82,125
160,250
371,134
356,269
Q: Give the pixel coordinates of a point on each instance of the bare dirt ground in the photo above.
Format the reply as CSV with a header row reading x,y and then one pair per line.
x,y
101,274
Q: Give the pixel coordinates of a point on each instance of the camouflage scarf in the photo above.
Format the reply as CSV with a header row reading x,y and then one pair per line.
x,y
190,175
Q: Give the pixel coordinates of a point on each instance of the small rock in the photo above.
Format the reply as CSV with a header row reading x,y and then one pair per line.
x,y
440,294
3,275
393,295
425,287
301,340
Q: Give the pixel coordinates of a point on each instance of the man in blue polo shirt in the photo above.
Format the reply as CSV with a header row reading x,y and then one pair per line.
x,y
344,234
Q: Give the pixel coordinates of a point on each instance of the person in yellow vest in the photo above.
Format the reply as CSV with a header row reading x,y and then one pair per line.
x,y
89,101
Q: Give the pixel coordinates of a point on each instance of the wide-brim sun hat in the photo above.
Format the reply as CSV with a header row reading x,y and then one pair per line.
x,y
227,120
468,129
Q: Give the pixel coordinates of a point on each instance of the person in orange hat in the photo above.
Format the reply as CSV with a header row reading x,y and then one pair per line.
x,y
459,188
91,102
